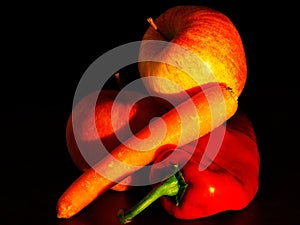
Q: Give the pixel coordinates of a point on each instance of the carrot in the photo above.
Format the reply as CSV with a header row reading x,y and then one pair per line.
x,y
186,122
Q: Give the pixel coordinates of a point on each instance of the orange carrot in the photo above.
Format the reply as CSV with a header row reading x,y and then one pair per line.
x,y
187,122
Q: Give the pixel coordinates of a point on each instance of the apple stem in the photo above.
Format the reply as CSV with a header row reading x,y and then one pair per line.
x,y
118,79
154,26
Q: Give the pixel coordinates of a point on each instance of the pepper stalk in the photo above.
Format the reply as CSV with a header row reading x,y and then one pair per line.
x,y
174,187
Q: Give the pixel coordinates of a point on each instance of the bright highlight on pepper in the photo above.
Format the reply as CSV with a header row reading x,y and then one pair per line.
x,y
211,190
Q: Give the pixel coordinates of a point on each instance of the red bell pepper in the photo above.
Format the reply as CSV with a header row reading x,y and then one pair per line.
x,y
230,182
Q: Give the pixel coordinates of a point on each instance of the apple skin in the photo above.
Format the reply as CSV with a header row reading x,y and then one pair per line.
x,y
88,138
207,33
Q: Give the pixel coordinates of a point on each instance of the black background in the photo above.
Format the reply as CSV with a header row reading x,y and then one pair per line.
x,y
48,46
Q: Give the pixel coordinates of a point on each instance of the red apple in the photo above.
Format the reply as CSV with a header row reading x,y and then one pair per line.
x,y
88,138
193,31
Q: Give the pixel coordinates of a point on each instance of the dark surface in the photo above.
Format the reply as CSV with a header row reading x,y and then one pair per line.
x,y
48,49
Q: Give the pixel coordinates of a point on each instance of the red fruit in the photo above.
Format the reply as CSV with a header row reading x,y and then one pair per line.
x,y
87,137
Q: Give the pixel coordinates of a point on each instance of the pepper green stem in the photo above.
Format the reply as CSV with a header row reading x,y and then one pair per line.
x,y
174,186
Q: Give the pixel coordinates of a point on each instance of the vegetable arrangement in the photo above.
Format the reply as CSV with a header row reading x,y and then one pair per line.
x,y
229,183
125,161
174,145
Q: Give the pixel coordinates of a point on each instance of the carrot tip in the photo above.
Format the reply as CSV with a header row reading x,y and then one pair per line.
x,y
64,212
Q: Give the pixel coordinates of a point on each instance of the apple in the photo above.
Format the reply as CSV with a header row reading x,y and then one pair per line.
x,y
140,113
203,47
